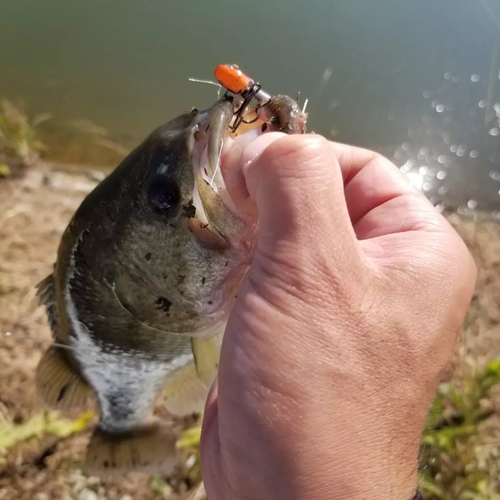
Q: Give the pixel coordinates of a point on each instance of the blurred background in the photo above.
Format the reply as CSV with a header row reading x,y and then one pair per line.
x,y
82,83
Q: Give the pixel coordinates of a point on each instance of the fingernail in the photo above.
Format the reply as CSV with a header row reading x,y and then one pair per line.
x,y
256,147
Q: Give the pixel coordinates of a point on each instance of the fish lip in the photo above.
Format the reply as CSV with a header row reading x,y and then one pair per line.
x,y
212,122
210,136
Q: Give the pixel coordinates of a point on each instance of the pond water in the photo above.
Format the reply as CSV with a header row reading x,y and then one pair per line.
x,y
417,80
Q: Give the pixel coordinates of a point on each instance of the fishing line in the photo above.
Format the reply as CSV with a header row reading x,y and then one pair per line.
x,y
207,82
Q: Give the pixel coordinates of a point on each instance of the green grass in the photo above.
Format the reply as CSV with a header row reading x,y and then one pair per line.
x,y
19,139
453,463
39,426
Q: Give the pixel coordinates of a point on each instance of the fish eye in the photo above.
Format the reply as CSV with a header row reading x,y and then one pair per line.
x,y
163,194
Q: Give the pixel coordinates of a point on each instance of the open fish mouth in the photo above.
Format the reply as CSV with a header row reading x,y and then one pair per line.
x,y
219,220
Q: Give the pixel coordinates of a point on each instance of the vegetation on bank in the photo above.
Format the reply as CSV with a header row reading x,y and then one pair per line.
x,y
20,145
451,462
25,140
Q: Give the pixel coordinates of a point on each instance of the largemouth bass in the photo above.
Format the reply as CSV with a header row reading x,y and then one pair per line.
x,y
145,278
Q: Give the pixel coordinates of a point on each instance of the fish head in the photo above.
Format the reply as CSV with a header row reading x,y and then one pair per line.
x,y
183,183
161,236
177,246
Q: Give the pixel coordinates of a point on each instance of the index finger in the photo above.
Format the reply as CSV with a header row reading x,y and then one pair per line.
x,y
370,179
380,199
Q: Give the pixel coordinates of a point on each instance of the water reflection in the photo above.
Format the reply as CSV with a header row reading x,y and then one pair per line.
x,y
452,147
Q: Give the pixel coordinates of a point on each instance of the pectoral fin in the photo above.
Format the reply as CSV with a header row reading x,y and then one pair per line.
x,y
58,383
185,392
206,354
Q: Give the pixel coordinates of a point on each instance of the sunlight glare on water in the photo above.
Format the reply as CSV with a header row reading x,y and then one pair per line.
x,y
405,82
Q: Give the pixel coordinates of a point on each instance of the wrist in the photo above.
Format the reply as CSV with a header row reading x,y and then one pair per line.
x,y
362,473
381,490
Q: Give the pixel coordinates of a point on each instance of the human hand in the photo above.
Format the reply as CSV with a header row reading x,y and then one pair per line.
x,y
340,332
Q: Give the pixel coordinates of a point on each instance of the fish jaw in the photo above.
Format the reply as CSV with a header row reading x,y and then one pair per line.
x,y
227,223
219,223
224,220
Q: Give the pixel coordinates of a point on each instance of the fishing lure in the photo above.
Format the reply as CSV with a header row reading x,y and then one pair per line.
x,y
235,81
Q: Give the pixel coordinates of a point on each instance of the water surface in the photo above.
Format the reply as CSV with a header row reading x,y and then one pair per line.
x,y
415,79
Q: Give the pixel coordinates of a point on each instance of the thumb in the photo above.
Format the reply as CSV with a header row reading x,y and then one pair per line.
x,y
297,186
